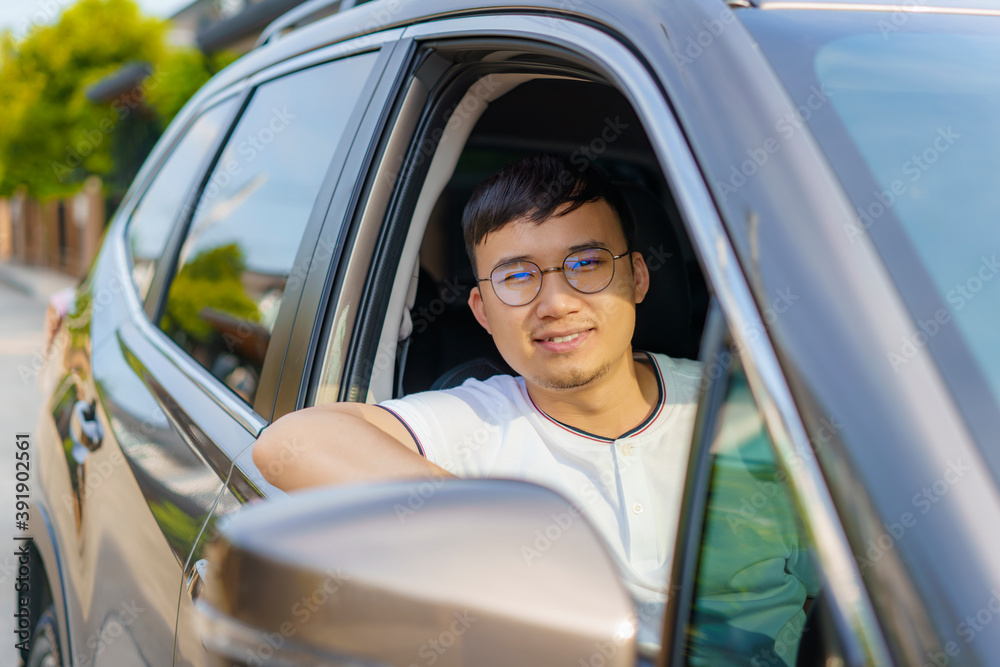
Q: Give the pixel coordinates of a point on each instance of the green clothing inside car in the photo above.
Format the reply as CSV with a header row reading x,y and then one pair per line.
x,y
756,570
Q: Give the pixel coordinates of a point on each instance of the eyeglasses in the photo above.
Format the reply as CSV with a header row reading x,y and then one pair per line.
x,y
589,270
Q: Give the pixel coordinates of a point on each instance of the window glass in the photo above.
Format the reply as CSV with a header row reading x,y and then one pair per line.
x,y
755,578
243,238
908,120
154,217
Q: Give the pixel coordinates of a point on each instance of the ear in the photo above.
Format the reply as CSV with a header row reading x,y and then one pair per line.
x,y
640,274
479,308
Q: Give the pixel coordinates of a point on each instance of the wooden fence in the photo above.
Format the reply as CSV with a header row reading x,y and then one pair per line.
x,y
61,234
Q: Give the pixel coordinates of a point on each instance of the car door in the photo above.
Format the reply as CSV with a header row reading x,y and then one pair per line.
x,y
350,363
333,100
124,486
750,585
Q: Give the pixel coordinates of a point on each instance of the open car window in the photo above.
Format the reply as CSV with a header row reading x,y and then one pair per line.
x,y
430,338
416,331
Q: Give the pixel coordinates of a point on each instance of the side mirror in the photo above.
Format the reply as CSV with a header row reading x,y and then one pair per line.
x,y
460,572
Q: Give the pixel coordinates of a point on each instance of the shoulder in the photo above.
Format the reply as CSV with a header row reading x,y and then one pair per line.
x,y
683,376
462,428
490,399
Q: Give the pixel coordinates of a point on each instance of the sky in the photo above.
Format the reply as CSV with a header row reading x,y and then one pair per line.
x,y
18,15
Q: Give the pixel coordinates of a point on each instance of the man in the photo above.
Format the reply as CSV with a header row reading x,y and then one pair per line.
x,y
608,428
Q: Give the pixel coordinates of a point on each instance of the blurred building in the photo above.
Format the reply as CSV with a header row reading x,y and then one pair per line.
x,y
209,25
64,234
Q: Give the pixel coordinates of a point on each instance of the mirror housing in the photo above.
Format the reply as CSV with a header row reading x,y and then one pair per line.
x,y
458,572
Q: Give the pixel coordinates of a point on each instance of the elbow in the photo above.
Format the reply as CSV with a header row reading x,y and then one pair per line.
x,y
274,453
286,452
262,452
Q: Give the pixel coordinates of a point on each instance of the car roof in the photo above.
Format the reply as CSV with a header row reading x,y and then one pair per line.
x,y
932,6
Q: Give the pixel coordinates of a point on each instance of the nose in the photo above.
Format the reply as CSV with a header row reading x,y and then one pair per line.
x,y
555,297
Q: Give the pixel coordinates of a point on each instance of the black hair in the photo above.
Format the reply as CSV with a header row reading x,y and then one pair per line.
x,y
532,189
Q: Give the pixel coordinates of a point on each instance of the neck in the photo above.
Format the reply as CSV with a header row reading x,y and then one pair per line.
x,y
608,407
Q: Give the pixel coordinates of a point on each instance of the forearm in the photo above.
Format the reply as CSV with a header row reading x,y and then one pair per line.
x,y
337,444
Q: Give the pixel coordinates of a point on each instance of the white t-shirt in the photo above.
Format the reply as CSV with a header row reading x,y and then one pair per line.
x,y
629,488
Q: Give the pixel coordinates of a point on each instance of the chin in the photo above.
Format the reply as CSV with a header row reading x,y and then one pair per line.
x,y
572,378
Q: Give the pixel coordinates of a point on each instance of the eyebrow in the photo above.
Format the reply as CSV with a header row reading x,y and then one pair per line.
x,y
589,243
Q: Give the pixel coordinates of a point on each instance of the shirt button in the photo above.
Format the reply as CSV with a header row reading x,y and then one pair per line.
x,y
636,508
626,450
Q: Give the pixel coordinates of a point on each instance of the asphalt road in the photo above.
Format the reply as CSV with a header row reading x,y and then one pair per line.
x,y
21,323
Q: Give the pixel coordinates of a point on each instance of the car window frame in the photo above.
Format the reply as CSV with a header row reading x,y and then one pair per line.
x,y
344,237
720,356
323,237
166,269
607,55
147,178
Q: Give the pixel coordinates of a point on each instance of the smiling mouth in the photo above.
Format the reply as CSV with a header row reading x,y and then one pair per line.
x,y
562,339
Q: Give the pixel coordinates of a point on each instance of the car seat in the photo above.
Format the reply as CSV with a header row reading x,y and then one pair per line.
x,y
667,320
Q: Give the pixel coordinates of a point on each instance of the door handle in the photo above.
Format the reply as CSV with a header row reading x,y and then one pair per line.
x,y
84,430
196,580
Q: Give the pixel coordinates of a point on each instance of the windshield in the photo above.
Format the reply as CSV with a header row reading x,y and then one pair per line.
x,y
906,107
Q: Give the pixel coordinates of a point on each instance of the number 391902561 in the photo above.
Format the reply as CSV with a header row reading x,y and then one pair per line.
x,y
22,468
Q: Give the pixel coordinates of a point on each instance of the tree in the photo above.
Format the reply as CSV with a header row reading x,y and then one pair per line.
x,y
210,280
52,137
182,72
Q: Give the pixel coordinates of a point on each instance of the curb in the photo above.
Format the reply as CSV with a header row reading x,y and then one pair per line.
x,y
8,278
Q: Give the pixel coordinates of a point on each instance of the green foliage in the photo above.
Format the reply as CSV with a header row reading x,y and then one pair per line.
x,y
210,280
52,136
181,73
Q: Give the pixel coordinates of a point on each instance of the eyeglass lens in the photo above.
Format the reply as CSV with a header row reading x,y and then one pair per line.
x,y
589,270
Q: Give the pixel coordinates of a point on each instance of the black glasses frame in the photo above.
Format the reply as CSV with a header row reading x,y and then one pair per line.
x,y
560,269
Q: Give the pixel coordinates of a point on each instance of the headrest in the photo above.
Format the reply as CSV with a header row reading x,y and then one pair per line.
x,y
663,319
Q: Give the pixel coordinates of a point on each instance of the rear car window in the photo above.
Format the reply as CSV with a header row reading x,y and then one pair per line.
x,y
245,233
160,206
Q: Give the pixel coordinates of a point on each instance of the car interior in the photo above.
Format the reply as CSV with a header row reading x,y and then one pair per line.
x,y
490,118
483,110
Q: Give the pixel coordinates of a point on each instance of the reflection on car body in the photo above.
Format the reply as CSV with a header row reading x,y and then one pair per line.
x,y
817,193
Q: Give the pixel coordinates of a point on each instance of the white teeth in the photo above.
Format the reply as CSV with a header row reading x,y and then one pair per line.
x,y
563,339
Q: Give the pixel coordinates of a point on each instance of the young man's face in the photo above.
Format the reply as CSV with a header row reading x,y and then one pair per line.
x,y
600,325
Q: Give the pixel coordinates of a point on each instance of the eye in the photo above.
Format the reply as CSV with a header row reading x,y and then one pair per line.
x,y
517,278
584,264
589,263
